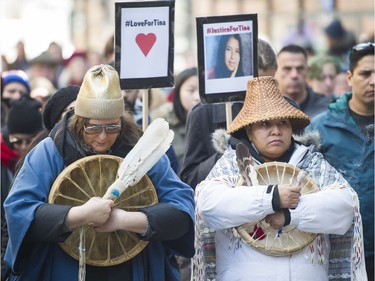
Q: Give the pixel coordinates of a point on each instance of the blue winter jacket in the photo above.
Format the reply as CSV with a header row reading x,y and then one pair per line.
x,y
351,152
31,189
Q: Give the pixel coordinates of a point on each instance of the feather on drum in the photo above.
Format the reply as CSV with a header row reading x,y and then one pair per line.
x,y
153,144
122,180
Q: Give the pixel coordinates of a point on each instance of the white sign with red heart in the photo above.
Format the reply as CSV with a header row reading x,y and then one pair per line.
x,y
144,42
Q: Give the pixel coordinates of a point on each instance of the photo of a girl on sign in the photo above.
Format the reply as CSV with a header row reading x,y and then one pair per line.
x,y
228,58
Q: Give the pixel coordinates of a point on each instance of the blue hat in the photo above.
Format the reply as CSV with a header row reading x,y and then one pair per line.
x,y
13,76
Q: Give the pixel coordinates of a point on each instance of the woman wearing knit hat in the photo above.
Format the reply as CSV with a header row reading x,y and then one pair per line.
x,y
98,127
60,103
14,84
56,107
273,202
24,122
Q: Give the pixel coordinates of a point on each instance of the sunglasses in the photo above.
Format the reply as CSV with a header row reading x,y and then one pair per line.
x,y
363,46
19,141
97,129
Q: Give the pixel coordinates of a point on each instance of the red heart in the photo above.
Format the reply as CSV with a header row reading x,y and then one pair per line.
x,y
145,42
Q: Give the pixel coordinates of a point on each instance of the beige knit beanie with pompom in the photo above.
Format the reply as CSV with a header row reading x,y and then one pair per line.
x,y
100,94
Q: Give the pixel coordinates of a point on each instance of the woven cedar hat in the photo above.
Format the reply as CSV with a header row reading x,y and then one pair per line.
x,y
264,102
100,95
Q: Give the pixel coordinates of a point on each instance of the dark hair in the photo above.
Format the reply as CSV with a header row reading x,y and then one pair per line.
x,y
295,49
358,52
221,70
181,78
266,56
56,105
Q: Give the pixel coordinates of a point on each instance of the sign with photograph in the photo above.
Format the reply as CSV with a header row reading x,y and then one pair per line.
x,y
144,44
227,56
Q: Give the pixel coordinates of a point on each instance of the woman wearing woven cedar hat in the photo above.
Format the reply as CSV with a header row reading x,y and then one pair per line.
x,y
40,232
326,212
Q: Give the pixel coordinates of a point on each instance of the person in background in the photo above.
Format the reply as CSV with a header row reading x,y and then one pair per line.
x,y
228,61
55,50
109,51
291,76
45,65
41,89
21,62
266,122
185,96
94,58
204,119
56,107
14,84
134,105
62,101
98,125
74,70
341,84
322,74
4,63
339,40
24,122
347,138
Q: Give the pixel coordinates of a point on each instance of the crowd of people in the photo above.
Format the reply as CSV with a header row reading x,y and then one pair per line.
x,y
313,112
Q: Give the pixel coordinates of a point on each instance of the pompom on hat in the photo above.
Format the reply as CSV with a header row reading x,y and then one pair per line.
x,y
264,102
100,94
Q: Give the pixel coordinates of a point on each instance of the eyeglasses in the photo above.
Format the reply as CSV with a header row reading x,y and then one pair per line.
x,y
97,129
18,141
363,46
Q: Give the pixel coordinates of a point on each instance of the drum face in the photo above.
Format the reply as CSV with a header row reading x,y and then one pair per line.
x,y
89,177
286,240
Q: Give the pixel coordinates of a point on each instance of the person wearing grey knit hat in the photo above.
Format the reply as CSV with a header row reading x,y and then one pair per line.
x,y
57,200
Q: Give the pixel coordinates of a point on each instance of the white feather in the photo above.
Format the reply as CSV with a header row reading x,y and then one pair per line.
x,y
153,144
